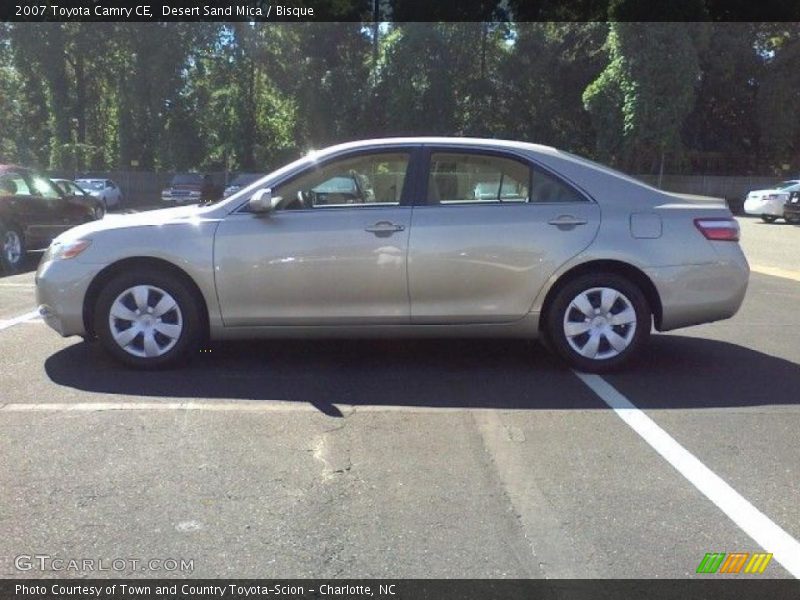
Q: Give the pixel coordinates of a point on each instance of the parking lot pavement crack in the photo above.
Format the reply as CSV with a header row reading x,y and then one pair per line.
x,y
551,547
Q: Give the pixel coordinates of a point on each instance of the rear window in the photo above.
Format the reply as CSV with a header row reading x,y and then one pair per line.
x,y
245,179
188,179
91,184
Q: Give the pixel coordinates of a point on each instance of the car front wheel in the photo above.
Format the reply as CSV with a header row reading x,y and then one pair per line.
x,y
598,322
768,218
148,320
12,249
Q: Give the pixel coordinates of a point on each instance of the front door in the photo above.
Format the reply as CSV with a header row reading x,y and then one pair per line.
x,y
334,252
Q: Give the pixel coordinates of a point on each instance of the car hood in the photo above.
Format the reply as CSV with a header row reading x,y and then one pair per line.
x,y
150,218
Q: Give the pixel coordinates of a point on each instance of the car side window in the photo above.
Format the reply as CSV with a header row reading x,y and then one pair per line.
x,y
456,178
45,188
13,184
367,180
548,188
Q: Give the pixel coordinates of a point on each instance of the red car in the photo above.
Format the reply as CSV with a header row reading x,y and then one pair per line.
x,y
33,211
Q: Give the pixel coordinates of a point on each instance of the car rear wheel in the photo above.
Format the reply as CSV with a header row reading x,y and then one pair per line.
x,y
768,218
12,249
598,322
99,211
148,320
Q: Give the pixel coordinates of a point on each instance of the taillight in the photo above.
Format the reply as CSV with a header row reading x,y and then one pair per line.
x,y
718,230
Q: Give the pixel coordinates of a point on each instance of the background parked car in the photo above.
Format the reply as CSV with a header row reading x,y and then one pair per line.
x,y
242,180
33,211
105,190
191,188
791,210
768,204
76,193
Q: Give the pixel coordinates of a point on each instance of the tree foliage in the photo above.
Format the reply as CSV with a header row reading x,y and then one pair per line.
x,y
703,97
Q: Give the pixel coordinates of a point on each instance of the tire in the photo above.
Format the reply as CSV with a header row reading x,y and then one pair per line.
x,y
768,218
148,340
590,346
99,211
793,220
12,249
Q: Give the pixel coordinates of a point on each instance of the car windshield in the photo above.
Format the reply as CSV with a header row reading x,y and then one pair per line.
x,y
91,184
187,179
789,186
244,179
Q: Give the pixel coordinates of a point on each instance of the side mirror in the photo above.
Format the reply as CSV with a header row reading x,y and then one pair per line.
x,y
263,202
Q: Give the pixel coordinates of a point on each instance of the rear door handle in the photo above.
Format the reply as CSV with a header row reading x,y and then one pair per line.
x,y
567,221
384,228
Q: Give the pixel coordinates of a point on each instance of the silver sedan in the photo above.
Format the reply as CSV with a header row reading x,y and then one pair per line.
x,y
405,237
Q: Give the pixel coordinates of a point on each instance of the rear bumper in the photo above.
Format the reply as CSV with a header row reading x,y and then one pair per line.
x,y
764,206
694,294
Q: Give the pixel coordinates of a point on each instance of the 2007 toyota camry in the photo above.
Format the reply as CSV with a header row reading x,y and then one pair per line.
x,y
405,237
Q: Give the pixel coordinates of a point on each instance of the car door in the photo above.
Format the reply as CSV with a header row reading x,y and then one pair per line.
x,y
322,258
488,231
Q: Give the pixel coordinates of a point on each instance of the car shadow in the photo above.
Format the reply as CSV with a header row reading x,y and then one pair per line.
x,y
675,372
29,263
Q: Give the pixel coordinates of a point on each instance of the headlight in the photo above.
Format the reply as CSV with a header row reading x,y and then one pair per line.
x,y
58,251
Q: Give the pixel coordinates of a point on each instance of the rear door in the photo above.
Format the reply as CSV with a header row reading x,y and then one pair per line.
x,y
488,230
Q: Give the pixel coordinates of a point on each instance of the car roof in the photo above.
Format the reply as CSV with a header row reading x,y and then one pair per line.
x,y
438,140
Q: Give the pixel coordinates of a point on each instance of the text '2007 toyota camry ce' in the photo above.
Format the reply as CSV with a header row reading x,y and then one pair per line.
x,y
405,237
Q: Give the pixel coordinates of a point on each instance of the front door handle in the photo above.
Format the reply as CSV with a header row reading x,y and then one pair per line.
x,y
384,228
567,221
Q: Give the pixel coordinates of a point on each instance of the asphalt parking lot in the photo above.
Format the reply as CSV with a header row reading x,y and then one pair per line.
x,y
413,458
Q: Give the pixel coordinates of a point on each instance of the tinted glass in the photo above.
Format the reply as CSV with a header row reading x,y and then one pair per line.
x,y
188,179
13,184
44,187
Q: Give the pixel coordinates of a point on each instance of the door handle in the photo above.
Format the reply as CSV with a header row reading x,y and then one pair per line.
x,y
384,228
567,221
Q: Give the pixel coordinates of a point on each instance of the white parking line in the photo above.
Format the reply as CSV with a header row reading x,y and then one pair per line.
x,y
776,272
768,535
5,324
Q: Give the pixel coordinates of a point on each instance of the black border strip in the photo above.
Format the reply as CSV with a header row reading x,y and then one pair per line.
x,y
405,589
399,10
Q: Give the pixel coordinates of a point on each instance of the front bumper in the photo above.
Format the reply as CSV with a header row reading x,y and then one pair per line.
x,y
791,210
764,206
61,287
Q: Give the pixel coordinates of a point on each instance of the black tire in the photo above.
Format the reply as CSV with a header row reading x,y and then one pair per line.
x,y
768,218
189,313
632,297
99,211
11,258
